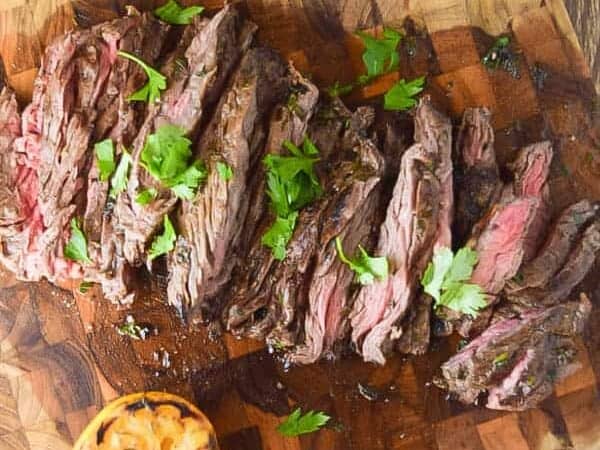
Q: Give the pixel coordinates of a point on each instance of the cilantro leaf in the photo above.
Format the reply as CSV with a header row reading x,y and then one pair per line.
x,y
165,242
105,157
76,249
365,267
380,55
225,171
279,234
157,82
401,95
146,196
445,280
166,156
297,424
171,12
120,177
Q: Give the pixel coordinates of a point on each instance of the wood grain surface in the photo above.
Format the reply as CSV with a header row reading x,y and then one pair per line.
x,y
61,358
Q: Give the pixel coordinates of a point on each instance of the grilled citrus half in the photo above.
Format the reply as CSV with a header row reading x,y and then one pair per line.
x,y
149,421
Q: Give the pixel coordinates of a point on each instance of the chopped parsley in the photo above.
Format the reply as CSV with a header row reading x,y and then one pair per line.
x,y
366,268
146,196
500,360
165,242
291,184
298,423
166,156
121,175
105,158
401,95
445,279
133,330
225,171
85,286
171,12
157,82
76,249
380,55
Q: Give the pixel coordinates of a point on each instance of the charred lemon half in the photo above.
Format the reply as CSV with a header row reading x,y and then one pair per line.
x,y
149,421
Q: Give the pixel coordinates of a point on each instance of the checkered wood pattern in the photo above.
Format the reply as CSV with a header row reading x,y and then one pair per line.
x,y
56,369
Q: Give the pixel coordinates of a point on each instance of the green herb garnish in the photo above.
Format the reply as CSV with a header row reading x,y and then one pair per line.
x,y
165,242
297,424
146,196
500,360
76,249
225,171
105,157
171,12
401,95
291,185
157,82
85,286
133,330
445,280
366,268
166,156
380,55
119,179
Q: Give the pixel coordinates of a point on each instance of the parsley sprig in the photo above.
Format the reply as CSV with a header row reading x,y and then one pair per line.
x,y
76,249
165,242
367,268
401,95
157,82
105,158
173,13
119,179
166,156
291,184
445,279
297,423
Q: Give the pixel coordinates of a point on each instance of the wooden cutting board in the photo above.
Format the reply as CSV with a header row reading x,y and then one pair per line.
x,y
61,358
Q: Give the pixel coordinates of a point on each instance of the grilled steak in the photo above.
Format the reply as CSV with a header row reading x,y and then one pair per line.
x,y
58,130
508,234
13,174
561,282
211,225
212,55
418,218
250,311
476,178
517,359
346,211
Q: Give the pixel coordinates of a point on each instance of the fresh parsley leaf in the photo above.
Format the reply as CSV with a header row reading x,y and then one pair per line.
x,y
105,157
401,95
291,184
433,278
225,171
76,249
132,329
165,242
380,55
171,12
279,234
166,156
121,175
445,280
146,196
500,360
85,286
157,82
297,424
366,268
